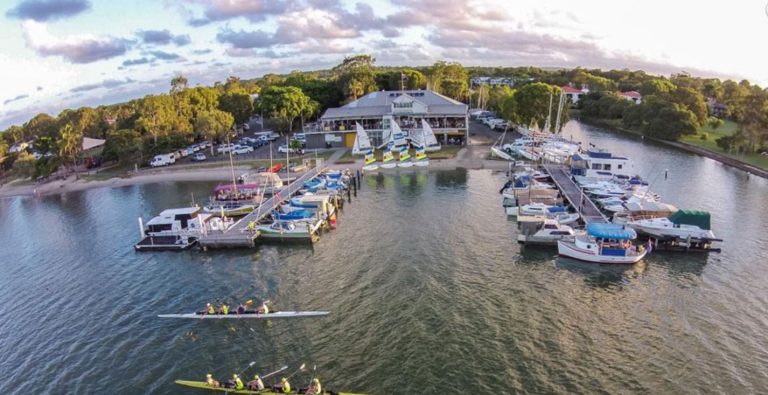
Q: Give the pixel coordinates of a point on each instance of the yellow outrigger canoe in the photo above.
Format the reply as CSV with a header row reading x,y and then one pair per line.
x,y
205,386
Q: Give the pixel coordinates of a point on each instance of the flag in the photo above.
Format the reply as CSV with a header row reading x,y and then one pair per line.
x,y
403,76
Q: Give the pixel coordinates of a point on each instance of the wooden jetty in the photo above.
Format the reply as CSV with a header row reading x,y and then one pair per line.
x,y
238,235
582,203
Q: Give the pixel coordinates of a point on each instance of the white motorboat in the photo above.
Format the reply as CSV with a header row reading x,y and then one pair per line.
x,y
298,230
682,224
179,228
603,243
547,232
535,209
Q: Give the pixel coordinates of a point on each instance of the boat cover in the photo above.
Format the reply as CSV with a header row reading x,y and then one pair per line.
x,y
691,217
611,231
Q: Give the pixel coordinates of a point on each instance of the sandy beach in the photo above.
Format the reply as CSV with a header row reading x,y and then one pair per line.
x,y
471,158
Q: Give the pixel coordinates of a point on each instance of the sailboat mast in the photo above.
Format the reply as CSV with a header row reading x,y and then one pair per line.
x,y
232,166
548,122
559,111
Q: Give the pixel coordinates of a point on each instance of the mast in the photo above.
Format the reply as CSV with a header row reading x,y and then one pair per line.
x,y
232,166
548,122
560,105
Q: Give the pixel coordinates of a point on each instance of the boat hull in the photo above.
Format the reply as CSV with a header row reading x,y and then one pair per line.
x,y
405,164
203,385
421,163
671,232
388,165
499,153
370,167
233,316
570,250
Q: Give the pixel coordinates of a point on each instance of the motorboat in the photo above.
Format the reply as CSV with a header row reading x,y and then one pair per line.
x,y
547,232
179,228
535,209
641,210
603,243
302,230
682,224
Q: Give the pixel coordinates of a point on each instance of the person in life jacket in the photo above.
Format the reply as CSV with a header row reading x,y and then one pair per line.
x,y
315,388
209,309
224,309
256,384
211,381
238,383
241,309
284,387
263,309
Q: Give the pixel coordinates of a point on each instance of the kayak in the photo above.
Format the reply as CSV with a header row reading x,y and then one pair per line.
x,y
205,386
248,314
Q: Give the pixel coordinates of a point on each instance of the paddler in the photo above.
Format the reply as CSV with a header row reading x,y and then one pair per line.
x,y
315,388
209,309
211,381
224,309
263,309
240,308
256,384
238,383
284,387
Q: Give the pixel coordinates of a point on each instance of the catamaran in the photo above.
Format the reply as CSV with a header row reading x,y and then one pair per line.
x,y
428,137
498,151
405,155
362,142
388,161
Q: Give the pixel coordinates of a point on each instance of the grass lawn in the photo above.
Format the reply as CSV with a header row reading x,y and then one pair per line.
x,y
710,143
446,152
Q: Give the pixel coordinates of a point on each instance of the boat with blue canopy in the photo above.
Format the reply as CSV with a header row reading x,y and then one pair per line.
x,y
604,243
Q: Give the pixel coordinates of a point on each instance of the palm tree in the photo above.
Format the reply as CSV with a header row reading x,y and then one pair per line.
x,y
70,145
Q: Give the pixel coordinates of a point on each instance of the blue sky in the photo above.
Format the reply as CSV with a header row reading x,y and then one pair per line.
x,y
56,54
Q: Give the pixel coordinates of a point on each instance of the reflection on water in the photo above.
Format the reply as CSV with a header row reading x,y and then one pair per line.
x,y
428,291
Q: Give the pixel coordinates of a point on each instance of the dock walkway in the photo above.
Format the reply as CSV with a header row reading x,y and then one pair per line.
x,y
238,235
584,206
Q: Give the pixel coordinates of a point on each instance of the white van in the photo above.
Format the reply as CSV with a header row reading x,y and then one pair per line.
x,y
162,160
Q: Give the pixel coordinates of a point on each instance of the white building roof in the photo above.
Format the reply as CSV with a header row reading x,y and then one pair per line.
x,y
89,143
378,104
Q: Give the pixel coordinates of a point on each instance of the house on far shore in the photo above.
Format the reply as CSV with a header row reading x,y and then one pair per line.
x,y
716,109
634,96
573,94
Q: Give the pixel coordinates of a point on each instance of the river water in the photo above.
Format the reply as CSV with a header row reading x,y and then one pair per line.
x,y
428,290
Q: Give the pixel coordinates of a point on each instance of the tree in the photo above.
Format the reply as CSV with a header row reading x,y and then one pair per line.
x,y
214,124
158,117
450,79
533,104
714,122
284,104
24,164
123,145
323,91
179,84
85,120
693,100
351,63
508,108
40,125
408,79
657,86
237,103
70,144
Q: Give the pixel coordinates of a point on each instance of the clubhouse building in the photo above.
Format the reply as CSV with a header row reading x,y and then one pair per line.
x,y
377,110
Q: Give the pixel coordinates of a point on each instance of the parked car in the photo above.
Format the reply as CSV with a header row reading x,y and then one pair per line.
x,y
162,160
500,126
284,149
224,148
242,149
198,157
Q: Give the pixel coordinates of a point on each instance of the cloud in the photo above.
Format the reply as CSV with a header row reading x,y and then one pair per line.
x,y
108,84
220,10
202,51
162,55
136,62
17,98
48,10
163,37
243,39
75,49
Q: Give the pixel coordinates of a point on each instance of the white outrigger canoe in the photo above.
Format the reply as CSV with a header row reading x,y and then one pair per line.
x,y
248,314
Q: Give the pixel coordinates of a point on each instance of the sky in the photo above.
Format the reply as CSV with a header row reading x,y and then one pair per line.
x,y
57,54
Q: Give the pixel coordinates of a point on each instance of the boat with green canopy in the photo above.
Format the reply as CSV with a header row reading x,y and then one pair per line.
x,y
682,224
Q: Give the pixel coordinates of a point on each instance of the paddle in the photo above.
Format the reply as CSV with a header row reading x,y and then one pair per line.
x,y
275,372
246,368
301,368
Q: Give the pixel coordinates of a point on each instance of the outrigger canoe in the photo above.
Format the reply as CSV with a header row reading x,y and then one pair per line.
x,y
205,386
248,314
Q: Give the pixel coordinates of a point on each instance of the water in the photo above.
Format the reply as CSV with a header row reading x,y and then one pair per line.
x,y
429,293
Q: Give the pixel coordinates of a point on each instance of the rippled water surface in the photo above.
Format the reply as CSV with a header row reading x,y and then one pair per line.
x,y
428,291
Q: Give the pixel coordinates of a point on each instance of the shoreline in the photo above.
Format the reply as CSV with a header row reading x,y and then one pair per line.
x,y
690,148
469,158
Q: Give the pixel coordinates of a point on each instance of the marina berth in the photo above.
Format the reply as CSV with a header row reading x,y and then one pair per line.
x,y
683,224
603,243
178,229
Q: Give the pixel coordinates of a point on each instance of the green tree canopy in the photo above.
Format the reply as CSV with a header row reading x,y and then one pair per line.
x,y
284,104
238,103
123,145
533,104
214,124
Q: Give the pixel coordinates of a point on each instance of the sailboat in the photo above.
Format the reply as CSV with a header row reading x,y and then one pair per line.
x,y
421,158
428,137
499,152
388,161
362,142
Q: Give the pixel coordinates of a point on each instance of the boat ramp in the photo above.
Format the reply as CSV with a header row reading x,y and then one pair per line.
x,y
583,205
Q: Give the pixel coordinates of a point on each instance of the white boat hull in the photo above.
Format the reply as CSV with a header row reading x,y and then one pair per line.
x,y
681,233
499,153
570,250
388,165
371,167
421,163
405,164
